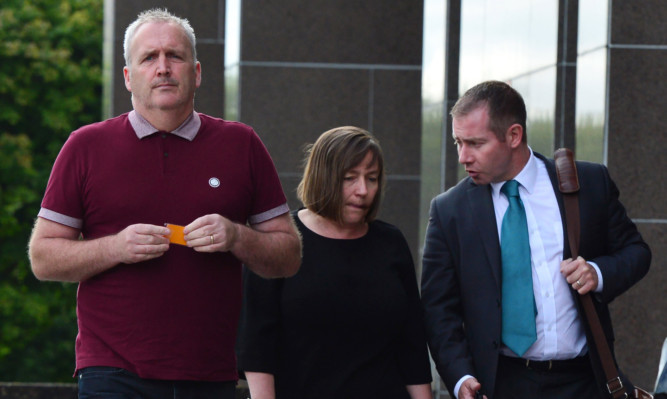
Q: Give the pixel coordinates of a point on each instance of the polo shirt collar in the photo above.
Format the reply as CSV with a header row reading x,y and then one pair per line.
x,y
188,129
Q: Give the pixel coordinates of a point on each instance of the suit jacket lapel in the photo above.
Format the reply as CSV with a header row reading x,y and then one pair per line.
x,y
481,207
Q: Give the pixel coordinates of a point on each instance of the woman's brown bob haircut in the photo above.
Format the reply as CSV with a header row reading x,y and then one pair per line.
x,y
328,160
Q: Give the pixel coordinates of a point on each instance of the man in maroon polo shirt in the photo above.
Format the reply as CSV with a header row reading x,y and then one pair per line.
x,y
158,320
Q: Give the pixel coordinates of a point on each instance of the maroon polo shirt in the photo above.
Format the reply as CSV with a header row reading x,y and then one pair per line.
x,y
174,317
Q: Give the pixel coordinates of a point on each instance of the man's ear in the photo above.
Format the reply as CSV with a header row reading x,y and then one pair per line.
x,y
514,135
126,75
197,74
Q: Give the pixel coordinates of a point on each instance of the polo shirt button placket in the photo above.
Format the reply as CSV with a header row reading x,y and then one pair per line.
x,y
165,150
165,153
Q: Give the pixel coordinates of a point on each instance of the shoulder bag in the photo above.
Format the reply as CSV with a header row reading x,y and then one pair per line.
x,y
568,184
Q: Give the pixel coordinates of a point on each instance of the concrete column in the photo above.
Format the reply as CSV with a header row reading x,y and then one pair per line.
x,y
566,75
636,143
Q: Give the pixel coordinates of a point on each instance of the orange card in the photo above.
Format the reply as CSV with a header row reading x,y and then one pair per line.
x,y
176,235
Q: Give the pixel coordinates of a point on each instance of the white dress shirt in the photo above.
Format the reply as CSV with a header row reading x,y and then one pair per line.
x,y
560,334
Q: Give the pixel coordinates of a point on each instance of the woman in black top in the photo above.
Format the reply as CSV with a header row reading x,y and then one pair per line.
x,y
349,324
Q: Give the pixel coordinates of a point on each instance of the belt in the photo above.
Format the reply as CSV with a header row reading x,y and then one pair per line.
x,y
550,365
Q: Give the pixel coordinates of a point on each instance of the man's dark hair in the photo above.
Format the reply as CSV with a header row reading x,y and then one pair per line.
x,y
504,104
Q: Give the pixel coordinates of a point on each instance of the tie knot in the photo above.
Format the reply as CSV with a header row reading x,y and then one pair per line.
x,y
510,188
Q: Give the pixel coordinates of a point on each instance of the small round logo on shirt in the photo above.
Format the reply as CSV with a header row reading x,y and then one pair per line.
x,y
214,182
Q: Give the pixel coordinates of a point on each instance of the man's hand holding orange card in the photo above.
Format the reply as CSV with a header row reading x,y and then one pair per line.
x,y
176,235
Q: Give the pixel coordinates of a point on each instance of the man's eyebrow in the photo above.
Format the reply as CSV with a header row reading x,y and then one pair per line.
x,y
143,53
469,139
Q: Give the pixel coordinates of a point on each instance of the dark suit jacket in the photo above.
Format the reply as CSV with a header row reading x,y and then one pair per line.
x,y
461,275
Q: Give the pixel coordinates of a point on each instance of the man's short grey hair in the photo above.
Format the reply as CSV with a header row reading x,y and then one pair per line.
x,y
158,15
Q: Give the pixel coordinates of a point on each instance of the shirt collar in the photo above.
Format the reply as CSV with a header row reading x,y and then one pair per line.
x,y
527,178
188,129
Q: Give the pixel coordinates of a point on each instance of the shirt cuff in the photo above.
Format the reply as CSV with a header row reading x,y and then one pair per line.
x,y
458,384
597,270
270,214
60,218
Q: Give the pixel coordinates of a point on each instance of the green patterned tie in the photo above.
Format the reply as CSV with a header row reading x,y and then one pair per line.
x,y
518,304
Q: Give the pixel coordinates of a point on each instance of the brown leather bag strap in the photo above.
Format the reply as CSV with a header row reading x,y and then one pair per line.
x,y
568,184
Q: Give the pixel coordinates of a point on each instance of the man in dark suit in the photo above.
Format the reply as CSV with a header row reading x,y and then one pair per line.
x,y
462,277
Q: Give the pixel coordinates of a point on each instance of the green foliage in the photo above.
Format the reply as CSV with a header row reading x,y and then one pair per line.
x,y
50,84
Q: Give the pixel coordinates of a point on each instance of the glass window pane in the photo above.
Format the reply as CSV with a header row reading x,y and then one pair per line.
x,y
433,91
504,39
590,112
538,90
232,58
593,22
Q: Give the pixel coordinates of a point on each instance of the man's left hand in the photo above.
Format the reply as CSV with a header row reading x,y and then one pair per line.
x,y
211,233
580,275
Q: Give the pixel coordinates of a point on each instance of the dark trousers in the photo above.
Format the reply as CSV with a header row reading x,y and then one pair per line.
x,y
117,383
515,380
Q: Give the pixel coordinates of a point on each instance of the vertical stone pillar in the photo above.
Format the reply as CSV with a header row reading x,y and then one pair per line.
x,y
566,74
308,66
636,144
452,60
